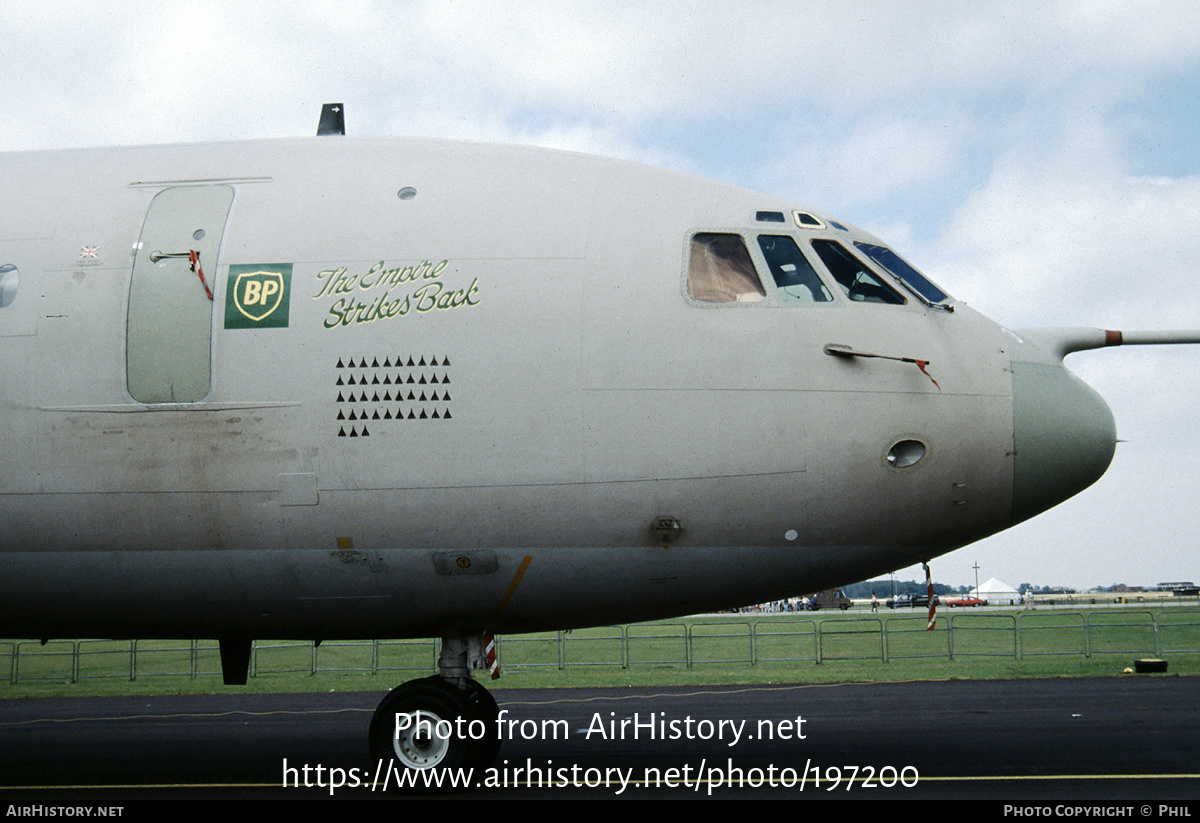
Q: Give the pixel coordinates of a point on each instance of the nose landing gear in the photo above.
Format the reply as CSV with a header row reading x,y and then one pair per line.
x,y
447,721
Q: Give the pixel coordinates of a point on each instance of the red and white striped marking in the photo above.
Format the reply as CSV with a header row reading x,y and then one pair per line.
x,y
489,653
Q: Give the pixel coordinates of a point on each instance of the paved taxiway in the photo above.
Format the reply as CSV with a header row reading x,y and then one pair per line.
x,y
1087,739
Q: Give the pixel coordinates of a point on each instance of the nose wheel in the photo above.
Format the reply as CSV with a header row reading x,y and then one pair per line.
x,y
422,743
434,724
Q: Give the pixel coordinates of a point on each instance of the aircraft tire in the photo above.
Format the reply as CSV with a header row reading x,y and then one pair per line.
x,y
489,747
434,704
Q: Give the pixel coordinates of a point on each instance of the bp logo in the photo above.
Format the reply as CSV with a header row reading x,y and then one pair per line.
x,y
258,296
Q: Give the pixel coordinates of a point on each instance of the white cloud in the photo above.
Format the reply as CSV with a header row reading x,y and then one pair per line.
x,y
873,160
168,72
1072,235
634,61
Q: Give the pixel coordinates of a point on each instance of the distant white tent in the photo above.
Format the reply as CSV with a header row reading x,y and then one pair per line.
x,y
997,593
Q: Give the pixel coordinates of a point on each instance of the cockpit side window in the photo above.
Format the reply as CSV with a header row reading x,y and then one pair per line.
x,y
856,279
720,270
795,278
903,272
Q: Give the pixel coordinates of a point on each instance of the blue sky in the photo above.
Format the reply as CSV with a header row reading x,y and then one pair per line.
x,y
1038,159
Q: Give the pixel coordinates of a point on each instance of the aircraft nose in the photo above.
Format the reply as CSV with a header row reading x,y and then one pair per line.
x,y
1064,437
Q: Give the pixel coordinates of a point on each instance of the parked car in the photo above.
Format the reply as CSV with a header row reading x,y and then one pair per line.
x,y
966,601
910,601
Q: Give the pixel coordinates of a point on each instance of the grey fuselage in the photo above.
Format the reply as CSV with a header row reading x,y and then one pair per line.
x,y
449,387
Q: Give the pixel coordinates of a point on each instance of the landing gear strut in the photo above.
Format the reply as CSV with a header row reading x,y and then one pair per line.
x,y
446,721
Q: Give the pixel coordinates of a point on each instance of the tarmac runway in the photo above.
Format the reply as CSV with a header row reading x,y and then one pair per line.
x,y
1130,740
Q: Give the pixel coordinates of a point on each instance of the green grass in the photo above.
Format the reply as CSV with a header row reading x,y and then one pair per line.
x,y
720,649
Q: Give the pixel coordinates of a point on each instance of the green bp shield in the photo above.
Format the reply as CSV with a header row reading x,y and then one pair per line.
x,y
258,296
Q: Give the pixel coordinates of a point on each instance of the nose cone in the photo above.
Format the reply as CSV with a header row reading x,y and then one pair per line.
x,y
1064,436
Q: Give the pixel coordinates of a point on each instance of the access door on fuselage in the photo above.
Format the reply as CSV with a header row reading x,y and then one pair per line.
x,y
168,355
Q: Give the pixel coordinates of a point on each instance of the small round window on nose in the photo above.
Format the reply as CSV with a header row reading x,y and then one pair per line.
x,y
905,453
10,278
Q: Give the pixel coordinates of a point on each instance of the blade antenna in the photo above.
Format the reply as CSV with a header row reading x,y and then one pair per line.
x,y
333,120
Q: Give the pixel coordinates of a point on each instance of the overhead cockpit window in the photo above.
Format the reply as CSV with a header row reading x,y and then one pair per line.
x,y
720,270
806,221
769,217
856,279
904,272
795,278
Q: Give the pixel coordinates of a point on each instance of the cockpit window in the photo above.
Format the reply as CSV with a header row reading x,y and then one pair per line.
x,y
795,278
903,272
856,279
720,270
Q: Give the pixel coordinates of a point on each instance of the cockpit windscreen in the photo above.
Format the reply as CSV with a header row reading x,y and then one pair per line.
x,y
902,271
795,277
856,279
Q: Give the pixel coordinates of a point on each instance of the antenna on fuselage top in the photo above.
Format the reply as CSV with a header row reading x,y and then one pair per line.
x,y
333,120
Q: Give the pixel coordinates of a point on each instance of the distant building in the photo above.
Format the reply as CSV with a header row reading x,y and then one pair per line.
x,y
1182,589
